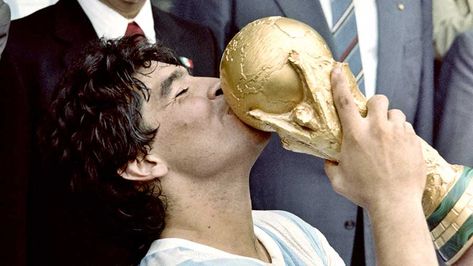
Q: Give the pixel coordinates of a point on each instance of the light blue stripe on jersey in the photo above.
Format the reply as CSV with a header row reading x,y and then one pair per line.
x,y
309,231
161,258
289,240
290,257
223,262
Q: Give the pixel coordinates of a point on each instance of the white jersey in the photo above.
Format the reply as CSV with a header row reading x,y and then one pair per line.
x,y
287,238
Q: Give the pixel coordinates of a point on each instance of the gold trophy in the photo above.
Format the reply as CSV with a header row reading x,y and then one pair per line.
x,y
275,75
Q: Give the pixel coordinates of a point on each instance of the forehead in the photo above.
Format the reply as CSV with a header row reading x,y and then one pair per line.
x,y
154,77
157,72
160,76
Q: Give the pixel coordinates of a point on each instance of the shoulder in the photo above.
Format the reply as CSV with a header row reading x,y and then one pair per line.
x,y
287,226
175,251
50,32
35,26
31,21
296,235
50,19
276,215
283,220
27,35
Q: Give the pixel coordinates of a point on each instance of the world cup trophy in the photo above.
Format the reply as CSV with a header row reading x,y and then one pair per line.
x,y
275,75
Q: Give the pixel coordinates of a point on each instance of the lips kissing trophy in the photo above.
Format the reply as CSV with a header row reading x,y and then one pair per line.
x,y
275,75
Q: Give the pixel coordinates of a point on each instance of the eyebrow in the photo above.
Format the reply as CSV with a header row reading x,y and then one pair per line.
x,y
166,84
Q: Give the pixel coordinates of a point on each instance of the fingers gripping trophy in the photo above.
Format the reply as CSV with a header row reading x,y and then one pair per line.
x,y
276,77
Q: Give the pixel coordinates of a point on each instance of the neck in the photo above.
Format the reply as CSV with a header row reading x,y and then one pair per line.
x,y
128,9
215,212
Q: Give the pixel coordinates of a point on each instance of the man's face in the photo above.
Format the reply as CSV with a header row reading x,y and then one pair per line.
x,y
198,134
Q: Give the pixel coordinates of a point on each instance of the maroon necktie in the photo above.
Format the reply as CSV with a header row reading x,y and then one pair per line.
x,y
133,29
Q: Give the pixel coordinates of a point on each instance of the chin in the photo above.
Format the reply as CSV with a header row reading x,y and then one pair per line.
x,y
262,136
259,138
254,137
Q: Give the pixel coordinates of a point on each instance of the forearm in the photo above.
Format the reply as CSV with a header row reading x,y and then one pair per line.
x,y
401,234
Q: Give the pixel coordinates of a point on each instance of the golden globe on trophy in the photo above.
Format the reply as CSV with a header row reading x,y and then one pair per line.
x,y
275,74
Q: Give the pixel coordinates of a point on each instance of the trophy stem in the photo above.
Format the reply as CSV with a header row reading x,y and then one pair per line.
x,y
448,205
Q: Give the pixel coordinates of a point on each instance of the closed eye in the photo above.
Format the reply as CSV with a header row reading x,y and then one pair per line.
x,y
182,92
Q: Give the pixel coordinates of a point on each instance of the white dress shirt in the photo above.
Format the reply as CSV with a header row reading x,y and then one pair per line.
x,y
367,26
109,24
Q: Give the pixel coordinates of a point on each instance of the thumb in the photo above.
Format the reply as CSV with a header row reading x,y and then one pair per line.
x,y
332,170
335,175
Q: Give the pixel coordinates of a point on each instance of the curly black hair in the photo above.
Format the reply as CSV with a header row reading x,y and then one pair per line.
x,y
95,128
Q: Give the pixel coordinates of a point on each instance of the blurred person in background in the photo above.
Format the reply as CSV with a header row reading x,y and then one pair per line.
x,y
450,18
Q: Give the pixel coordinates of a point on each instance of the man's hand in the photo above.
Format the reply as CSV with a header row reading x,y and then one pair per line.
x,y
381,160
382,169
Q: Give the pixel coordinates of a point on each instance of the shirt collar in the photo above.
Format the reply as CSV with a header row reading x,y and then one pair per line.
x,y
109,24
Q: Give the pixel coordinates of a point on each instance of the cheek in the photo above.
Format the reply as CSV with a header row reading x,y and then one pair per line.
x,y
185,122
192,113
186,138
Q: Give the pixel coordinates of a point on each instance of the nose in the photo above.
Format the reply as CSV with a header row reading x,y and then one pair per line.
x,y
214,90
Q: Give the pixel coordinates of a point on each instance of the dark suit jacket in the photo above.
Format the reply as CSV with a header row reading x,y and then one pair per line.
x,y
455,102
40,48
297,182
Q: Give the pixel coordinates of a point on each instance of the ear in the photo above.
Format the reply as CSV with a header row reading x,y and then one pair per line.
x,y
147,169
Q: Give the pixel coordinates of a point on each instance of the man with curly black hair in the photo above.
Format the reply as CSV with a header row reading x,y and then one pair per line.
x,y
96,128
162,153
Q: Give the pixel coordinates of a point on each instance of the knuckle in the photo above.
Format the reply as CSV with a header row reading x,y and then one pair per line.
x,y
378,102
399,129
397,115
396,112
343,101
379,99
409,127
382,98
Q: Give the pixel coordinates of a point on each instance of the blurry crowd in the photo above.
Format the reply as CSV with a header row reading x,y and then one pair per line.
x,y
418,53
